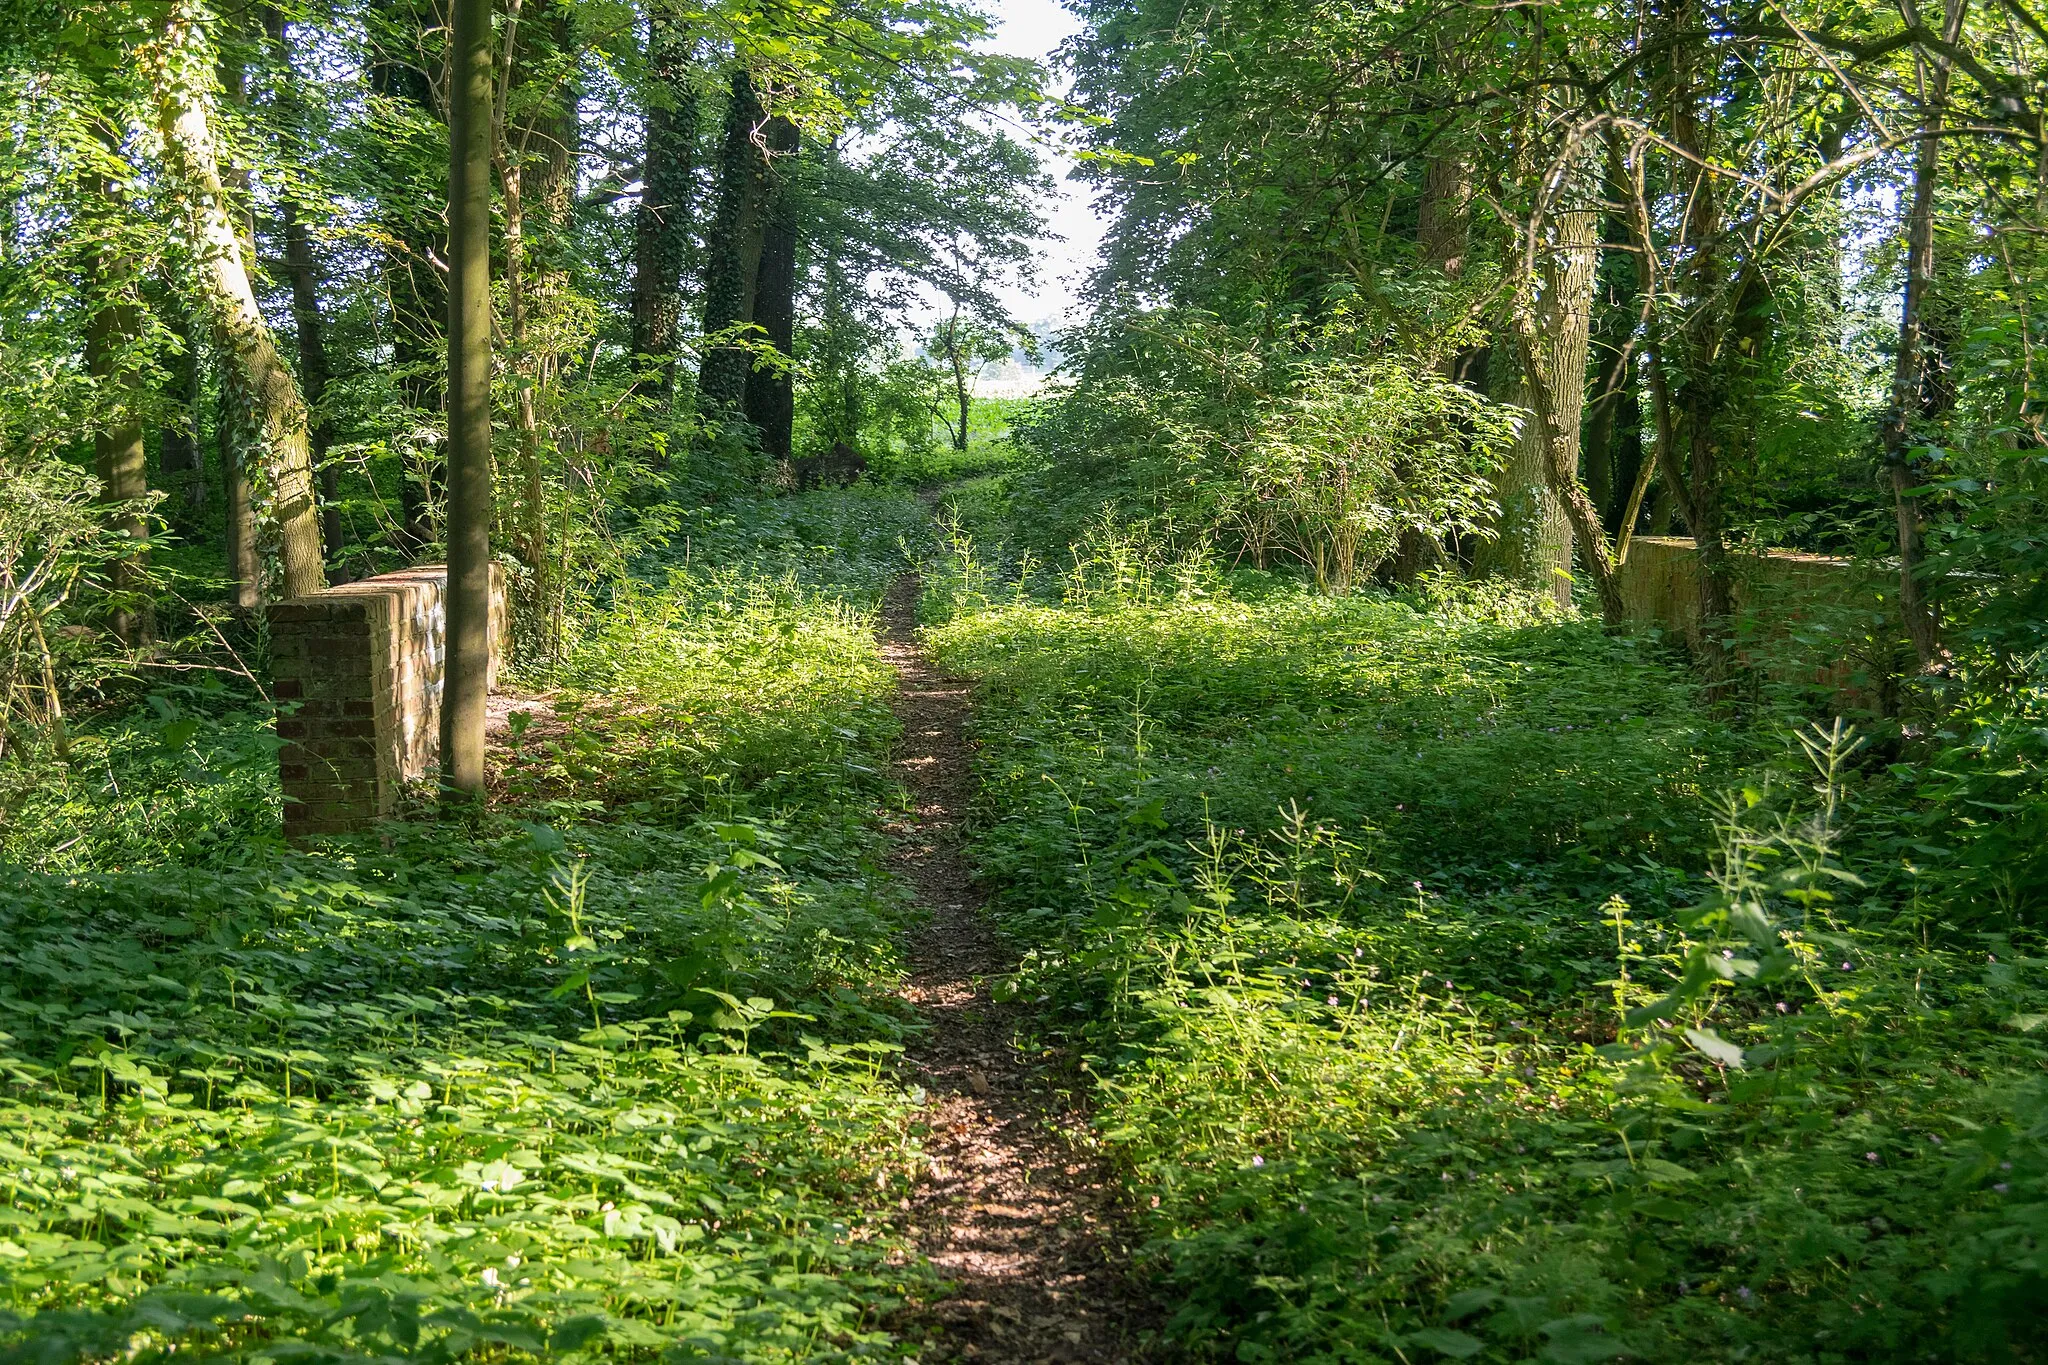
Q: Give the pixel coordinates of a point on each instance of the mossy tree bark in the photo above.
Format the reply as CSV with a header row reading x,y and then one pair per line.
x,y
467,669
263,397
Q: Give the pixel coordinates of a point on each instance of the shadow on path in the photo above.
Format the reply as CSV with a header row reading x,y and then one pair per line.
x,y
1023,1223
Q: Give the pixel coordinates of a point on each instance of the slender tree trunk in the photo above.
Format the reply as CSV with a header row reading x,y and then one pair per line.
x,y
534,156
467,676
961,393
1613,439
265,399
302,273
733,250
299,267
418,295
1706,296
771,388
243,552
117,444
1910,373
662,223
243,541
178,451
1443,236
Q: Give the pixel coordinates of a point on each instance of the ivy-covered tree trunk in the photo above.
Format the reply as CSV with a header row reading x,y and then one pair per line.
x,y
466,680
771,388
732,247
264,399
662,223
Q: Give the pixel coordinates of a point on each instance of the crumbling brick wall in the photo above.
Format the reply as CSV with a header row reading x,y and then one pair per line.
x,y
1810,619
357,673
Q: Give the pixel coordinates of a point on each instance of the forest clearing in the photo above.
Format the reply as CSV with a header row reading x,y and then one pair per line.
x,y
1105,681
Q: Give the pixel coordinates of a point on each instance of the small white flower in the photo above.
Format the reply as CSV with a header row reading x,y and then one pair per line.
x,y
609,1206
490,1277
1258,1161
512,1261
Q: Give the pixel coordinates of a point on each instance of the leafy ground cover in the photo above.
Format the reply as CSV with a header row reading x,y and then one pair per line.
x,y
606,1074
1452,984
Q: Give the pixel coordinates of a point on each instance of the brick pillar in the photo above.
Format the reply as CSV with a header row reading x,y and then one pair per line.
x,y
357,678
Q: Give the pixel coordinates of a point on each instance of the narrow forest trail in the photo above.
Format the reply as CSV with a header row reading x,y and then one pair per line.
x,y
1022,1222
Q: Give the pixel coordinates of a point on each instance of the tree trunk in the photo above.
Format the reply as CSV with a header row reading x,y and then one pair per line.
x,y
265,400
303,275
733,251
1534,530
962,396
1443,235
1552,333
298,265
243,542
117,442
1613,416
1443,232
467,670
1910,372
534,157
418,293
662,223
1704,296
771,388
178,451
243,554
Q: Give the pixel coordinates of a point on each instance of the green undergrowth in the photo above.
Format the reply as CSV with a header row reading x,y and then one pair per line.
x,y
1452,983
607,1073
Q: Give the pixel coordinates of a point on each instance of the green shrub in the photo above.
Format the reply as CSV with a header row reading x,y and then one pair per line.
x,y
1412,951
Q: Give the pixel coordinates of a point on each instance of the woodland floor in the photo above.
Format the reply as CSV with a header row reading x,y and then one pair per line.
x,y
1019,1218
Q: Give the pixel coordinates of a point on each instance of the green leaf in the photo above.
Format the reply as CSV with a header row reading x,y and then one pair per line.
x,y
1455,1344
1715,1046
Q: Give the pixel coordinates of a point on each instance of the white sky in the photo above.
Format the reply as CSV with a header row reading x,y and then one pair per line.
x,y
1035,28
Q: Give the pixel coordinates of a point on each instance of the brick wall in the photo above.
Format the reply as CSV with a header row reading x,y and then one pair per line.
x,y
357,677
1810,619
